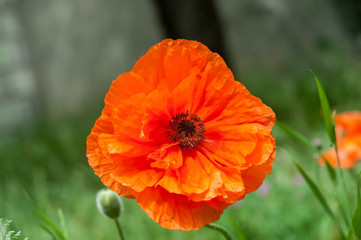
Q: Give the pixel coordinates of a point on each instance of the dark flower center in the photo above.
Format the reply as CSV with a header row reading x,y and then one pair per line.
x,y
187,129
187,126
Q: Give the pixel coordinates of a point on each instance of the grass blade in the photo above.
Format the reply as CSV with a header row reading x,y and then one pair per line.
x,y
46,229
239,232
356,220
302,139
45,219
296,135
330,127
331,171
62,223
351,236
319,196
326,111
50,224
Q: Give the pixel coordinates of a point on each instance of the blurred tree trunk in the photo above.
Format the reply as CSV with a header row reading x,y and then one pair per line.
x,y
193,20
35,59
350,11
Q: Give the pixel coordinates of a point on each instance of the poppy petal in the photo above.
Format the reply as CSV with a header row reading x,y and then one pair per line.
x,y
254,176
168,155
175,211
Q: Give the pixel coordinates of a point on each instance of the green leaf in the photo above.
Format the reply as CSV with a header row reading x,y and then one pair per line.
x,y
319,196
296,135
331,171
325,107
62,223
356,220
302,139
351,236
50,225
46,229
239,232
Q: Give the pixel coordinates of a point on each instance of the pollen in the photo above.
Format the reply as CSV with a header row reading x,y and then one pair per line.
x,y
187,129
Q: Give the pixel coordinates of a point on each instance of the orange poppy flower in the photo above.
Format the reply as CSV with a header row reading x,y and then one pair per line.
x,y
348,135
180,135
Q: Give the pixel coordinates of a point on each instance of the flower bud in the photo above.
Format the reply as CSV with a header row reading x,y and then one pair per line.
x,y
109,203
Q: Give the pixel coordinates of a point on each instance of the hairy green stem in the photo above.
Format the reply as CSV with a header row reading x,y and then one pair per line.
x,y
119,229
220,229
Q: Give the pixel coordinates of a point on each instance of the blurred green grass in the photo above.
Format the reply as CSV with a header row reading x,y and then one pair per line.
x,y
48,161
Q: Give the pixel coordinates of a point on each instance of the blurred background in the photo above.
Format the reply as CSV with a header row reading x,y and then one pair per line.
x,y
58,59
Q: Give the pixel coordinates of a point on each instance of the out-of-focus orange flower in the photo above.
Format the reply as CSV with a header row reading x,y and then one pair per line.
x,y
180,135
348,135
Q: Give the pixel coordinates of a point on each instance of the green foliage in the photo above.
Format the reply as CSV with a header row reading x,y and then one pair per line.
x,y
6,234
330,127
331,171
320,197
49,226
239,232
303,140
356,220
326,111
296,135
345,209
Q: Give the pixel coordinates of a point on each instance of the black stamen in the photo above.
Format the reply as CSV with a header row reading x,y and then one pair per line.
x,y
187,129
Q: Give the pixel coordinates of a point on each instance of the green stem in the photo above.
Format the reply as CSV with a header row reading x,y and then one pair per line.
x,y
343,187
220,229
119,229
